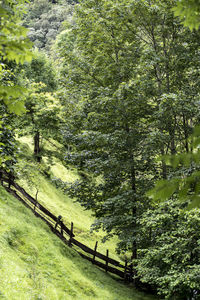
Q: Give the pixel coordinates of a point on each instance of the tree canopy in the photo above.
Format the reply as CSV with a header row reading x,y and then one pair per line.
x,y
131,91
14,47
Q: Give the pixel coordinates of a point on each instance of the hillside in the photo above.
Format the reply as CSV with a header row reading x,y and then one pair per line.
x,y
35,264
99,129
59,203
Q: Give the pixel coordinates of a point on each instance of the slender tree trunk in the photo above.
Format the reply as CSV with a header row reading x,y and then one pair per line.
x,y
37,149
164,167
172,139
134,210
133,185
185,128
134,213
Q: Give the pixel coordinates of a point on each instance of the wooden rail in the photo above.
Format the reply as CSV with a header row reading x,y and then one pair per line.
x,y
64,233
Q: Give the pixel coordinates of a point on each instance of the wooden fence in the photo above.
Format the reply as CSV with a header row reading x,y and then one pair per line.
x,y
65,234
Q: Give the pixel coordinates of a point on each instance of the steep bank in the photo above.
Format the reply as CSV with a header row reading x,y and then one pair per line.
x,y
35,264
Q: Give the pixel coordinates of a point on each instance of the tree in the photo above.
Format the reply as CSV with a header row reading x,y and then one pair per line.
x,y
40,69
14,49
8,145
184,182
14,46
44,21
126,70
169,257
42,113
131,94
101,62
189,12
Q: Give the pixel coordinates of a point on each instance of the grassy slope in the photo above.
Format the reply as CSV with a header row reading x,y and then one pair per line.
x,y
35,264
60,204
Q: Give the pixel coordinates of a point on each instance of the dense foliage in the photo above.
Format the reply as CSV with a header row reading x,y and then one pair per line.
x,y
42,113
44,21
189,12
169,257
123,99
14,49
131,92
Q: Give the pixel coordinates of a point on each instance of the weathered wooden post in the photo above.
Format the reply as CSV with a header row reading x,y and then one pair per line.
x,y
71,234
61,227
36,200
58,221
107,254
95,250
34,208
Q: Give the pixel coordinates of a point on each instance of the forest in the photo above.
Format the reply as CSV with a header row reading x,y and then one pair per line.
x,y
111,89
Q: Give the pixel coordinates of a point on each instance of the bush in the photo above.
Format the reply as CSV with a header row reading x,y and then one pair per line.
x,y
171,259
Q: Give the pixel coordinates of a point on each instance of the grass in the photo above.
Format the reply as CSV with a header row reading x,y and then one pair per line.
x,y
35,264
60,204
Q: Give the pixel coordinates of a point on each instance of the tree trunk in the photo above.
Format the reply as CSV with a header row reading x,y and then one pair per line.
x,y
164,167
185,128
133,185
134,210
134,213
172,137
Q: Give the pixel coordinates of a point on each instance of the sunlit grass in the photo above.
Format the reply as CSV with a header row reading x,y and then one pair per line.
x,y
60,204
35,264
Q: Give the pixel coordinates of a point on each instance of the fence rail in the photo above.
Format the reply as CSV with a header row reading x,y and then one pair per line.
x,y
63,232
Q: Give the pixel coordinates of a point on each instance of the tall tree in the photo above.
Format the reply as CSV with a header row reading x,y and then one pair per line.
x,y
101,66
127,68
184,182
14,49
42,113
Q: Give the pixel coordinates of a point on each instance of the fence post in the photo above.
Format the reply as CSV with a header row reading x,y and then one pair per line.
x,y
36,200
107,253
34,208
58,221
61,227
71,234
95,250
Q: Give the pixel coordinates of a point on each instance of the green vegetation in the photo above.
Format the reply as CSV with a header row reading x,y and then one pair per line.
x,y
189,12
14,47
110,120
44,21
35,264
60,204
